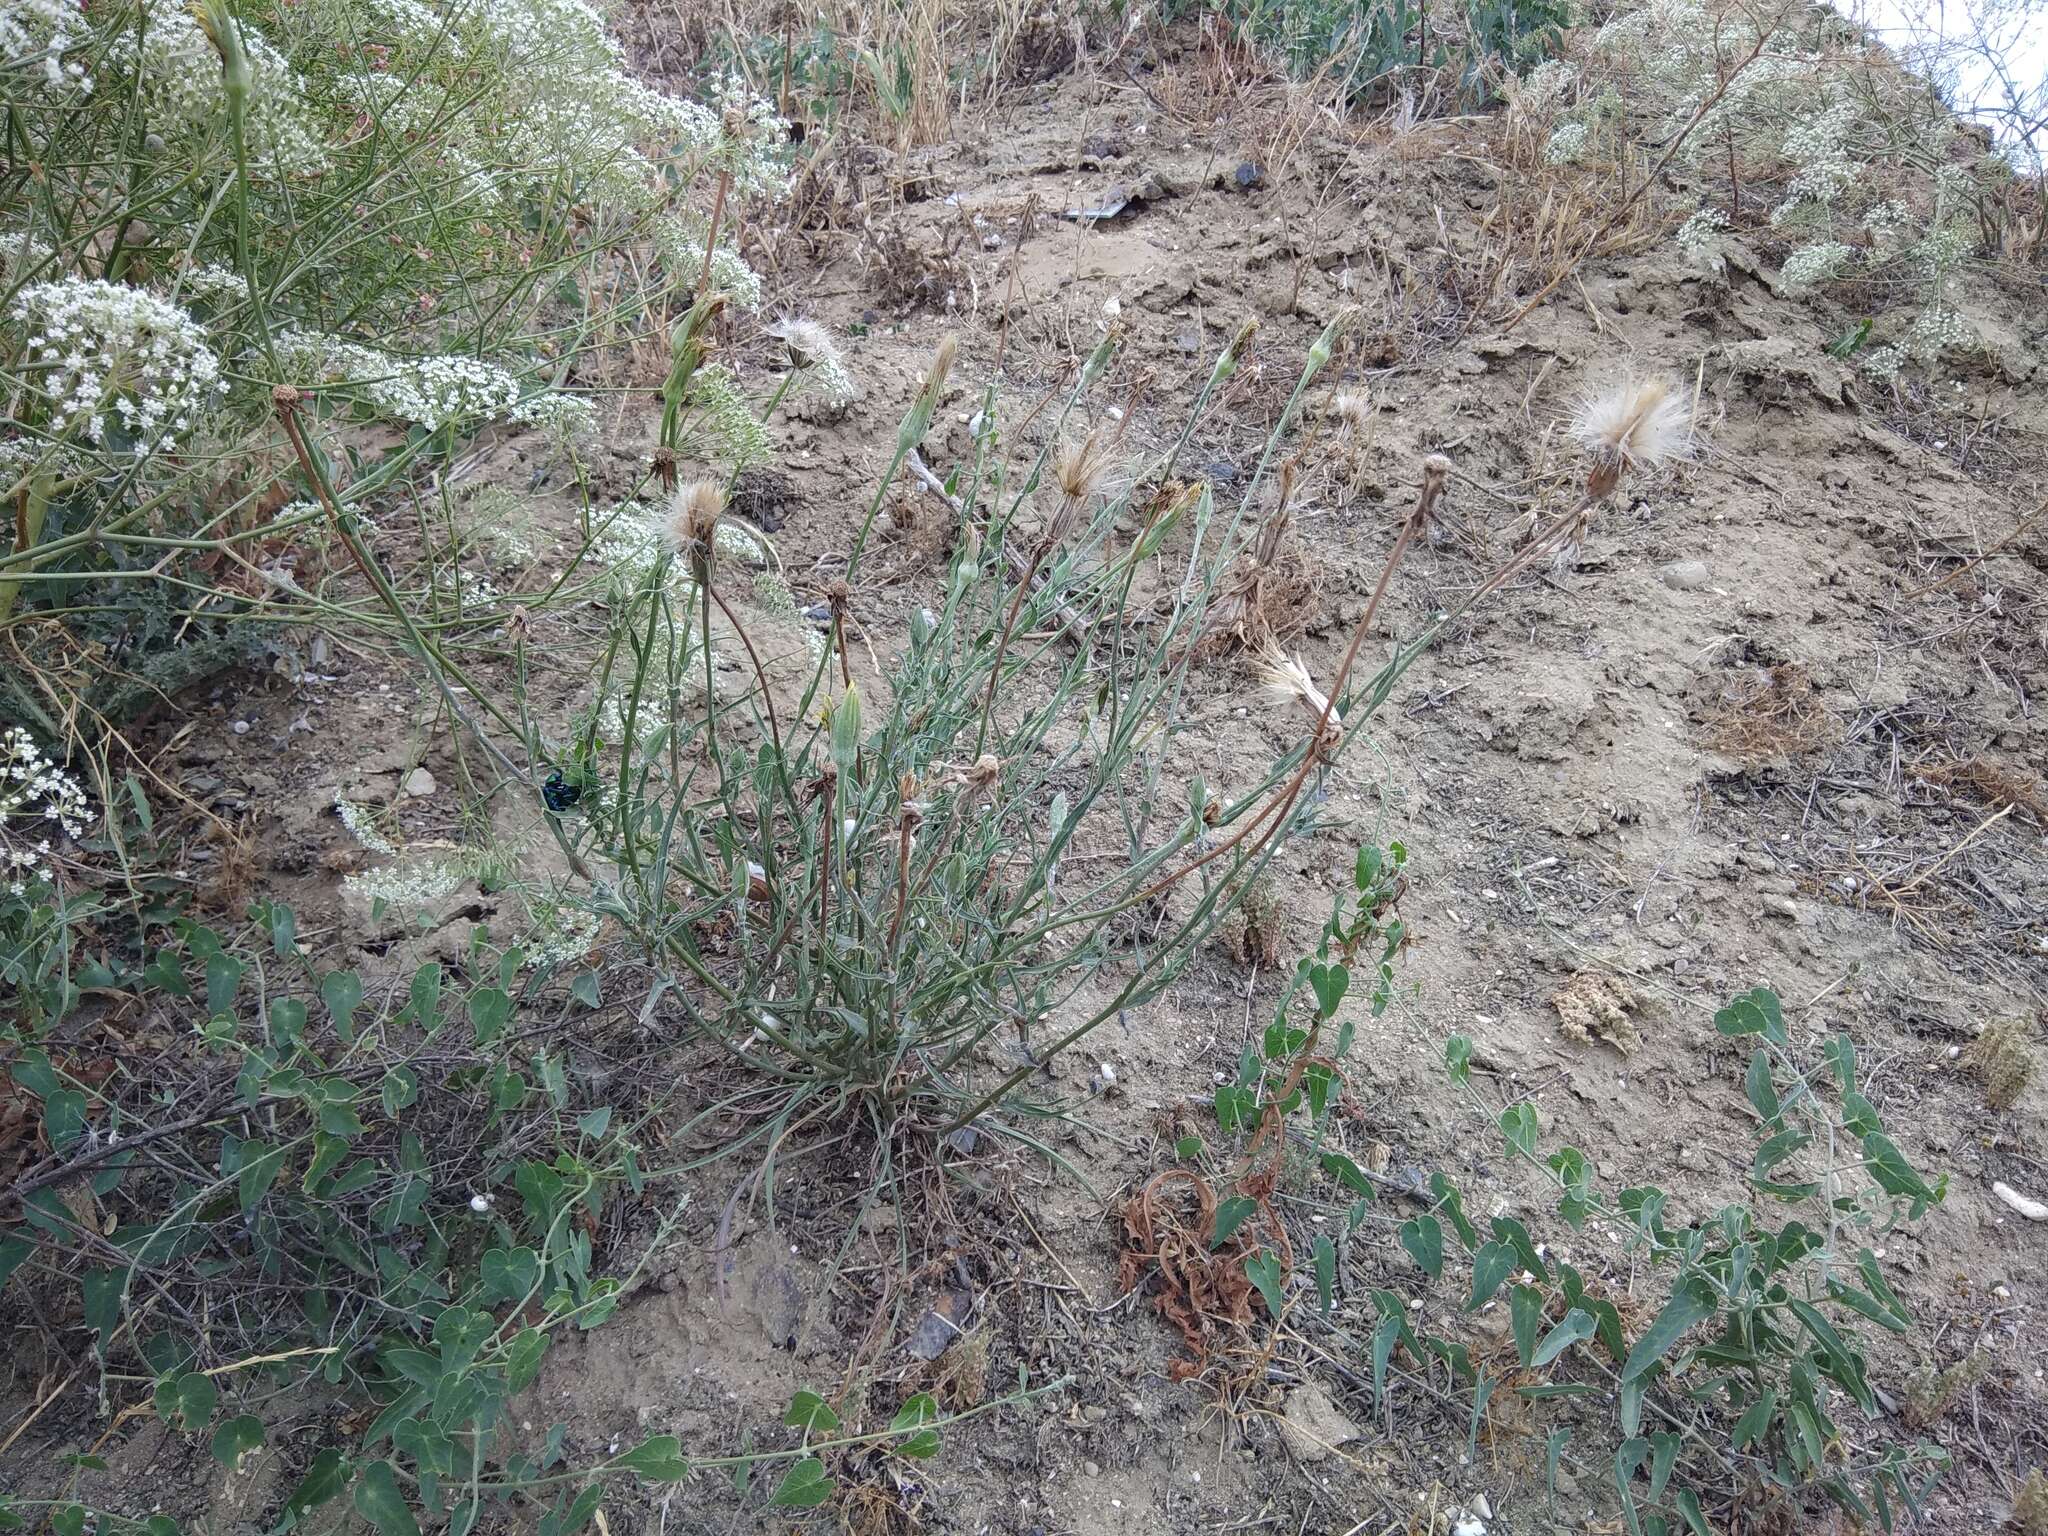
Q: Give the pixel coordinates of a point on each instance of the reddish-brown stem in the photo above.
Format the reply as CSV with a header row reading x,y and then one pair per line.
x,y
711,236
1284,801
903,836
995,672
767,697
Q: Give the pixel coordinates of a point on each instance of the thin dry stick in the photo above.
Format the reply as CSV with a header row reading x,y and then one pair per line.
x,y
711,237
1976,560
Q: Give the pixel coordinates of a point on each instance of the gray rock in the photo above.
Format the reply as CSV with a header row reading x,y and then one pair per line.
x,y
1313,1426
1685,575
420,784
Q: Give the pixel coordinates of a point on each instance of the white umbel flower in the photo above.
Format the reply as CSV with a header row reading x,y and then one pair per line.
x,y
35,796
1816,263
35,35
119,367
182,95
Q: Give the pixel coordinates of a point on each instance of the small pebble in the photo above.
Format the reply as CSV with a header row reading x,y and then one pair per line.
x,y
1685,575
241,727
1091,1469
420,784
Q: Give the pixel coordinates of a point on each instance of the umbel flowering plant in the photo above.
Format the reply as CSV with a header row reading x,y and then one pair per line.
x,y
386,205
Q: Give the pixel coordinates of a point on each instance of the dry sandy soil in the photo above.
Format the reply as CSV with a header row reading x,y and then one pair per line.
x,y
1781,726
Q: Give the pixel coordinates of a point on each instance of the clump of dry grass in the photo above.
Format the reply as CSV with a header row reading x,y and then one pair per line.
x,y
1990,783
2002,1058
1768,713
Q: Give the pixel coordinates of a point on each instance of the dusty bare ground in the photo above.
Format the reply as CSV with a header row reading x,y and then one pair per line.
x,y
1782,726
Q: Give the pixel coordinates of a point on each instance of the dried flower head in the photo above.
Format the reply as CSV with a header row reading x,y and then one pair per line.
x,y
1352,409
1079,469
694,512
1286,679
985,774
813,352
1638,424
942,365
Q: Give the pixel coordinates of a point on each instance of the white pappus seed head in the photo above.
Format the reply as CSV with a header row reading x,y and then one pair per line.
x,y
1637,424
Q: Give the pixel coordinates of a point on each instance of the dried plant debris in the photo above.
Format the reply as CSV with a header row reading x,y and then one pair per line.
x,y
2002,1058
1256,933
1595,1007
1989,782
1769,713
2030,1508
1930,1393
1202,1292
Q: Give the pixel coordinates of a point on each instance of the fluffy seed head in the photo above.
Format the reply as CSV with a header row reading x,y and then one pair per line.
x,y
1638,424
1353,410
1286,680
1080,468
808,342
693,516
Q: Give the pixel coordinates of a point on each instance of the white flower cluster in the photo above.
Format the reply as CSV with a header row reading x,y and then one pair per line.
x,y
110,355
640,535
469,589
1565,145
752,143
1544,88
436,390
1941,251
680,244
36,34
215,284
182,93
432,391
1699,240
406,888
562,935
1818,146
34,792
362,826
1889,222
19,254
522,97
1933,331
1815,263
648,721
564,418
737,438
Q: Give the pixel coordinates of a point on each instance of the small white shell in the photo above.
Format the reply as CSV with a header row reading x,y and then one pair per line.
x,y
2033,1210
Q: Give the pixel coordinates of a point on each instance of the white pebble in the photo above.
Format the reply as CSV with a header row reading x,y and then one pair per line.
x,y
2033,1210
